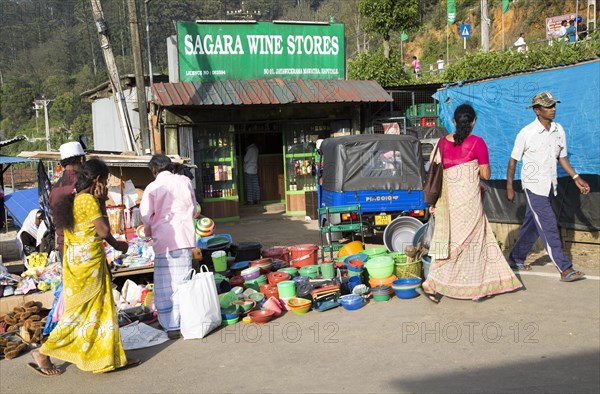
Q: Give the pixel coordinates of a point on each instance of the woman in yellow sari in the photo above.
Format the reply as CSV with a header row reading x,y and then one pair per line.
x,y
88,332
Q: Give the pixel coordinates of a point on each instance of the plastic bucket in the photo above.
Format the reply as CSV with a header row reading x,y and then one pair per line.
x,y
277,253
352,282
303,255
327,269
219,259
309,270
426,260
287,289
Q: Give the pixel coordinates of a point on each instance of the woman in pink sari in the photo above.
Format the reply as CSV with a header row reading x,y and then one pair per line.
x,y
467,262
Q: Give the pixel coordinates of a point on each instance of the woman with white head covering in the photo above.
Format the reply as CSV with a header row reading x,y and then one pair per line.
x,y
27,235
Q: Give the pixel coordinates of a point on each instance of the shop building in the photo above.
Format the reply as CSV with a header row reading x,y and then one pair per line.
x,y
214,122
278,85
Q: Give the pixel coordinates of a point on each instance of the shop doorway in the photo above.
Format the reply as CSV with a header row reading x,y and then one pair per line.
x,y
270,162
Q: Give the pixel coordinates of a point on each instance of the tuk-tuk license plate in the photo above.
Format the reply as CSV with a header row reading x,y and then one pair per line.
x,y
383,220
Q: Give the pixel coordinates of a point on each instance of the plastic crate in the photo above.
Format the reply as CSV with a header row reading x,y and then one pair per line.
x,y
427,110
412,110
429,121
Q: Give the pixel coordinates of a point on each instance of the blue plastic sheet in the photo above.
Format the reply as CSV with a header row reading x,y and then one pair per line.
x,y
20,203
501,107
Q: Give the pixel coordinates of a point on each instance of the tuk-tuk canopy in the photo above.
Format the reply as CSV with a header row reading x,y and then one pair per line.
x,y
372,162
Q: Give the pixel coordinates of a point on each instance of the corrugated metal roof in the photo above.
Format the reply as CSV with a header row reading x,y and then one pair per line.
x,y
268,91
12,160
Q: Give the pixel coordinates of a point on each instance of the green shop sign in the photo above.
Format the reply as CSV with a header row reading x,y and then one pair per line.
x,y
261,50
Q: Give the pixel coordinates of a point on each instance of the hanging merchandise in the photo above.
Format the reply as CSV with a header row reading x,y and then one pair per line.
x,y
136,218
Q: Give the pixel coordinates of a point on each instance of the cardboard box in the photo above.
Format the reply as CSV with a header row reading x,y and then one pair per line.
x,y
8,303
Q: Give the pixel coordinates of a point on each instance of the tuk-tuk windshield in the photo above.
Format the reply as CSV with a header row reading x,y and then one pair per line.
x,y
382,163
372,162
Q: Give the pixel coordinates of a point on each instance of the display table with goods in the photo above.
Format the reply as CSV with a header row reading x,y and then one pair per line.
x,y
36,284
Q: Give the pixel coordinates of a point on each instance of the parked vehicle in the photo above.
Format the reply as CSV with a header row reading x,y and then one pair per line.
x,y
383,173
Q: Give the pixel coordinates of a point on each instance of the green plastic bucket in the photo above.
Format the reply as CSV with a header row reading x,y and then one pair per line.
x,y
286,289
219,259
327,269
309,270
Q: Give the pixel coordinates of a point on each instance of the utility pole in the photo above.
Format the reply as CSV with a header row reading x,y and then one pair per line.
x,y
148,45
115,80
485,27
37,105
140,86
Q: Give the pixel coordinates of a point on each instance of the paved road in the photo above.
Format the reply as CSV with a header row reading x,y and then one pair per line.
x,y
542,339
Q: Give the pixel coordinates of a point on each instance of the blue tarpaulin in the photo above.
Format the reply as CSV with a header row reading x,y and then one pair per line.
x,y
501,107
20,203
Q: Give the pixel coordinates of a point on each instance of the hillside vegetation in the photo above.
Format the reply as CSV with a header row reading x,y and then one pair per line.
x,y
50,48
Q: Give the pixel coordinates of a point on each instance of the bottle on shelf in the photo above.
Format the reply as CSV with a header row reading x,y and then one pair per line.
x,y
216,172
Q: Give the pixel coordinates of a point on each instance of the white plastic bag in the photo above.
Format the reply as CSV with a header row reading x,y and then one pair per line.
x,y
428,236
198,304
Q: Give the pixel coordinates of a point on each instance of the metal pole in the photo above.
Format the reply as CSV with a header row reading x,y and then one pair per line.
x,y
485,28
447,45
401,51
140,86
576,14
148,45
114,77
47,125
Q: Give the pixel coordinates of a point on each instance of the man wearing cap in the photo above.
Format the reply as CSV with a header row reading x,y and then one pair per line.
x,y
72,158
540,145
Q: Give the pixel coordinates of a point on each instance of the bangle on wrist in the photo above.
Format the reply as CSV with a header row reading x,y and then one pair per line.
x,y
575,176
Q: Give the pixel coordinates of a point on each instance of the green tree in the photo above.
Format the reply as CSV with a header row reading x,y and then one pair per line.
x,y
375,66
82,126
386,16
63,110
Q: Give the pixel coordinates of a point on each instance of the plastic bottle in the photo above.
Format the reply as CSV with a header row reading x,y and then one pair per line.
x,y
141,246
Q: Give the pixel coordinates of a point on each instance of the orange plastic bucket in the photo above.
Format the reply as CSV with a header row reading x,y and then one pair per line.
x,y
302,255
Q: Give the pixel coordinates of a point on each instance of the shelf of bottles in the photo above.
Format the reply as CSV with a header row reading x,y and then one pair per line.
x,y
300,157
217,163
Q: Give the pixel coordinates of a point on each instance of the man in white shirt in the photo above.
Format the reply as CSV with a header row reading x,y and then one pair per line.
x,y
539,145
520,43
440,64
251,175
562,32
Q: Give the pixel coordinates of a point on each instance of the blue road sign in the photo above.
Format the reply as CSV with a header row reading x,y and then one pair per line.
x,y
465,30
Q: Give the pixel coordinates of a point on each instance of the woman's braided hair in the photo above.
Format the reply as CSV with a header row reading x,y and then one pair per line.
x,y
464,115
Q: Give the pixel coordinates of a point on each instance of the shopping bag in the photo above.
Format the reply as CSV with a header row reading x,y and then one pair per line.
x,y
433,183
428,236
198,304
